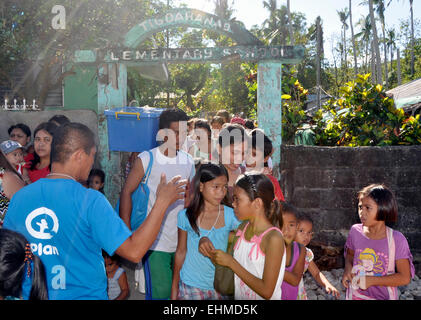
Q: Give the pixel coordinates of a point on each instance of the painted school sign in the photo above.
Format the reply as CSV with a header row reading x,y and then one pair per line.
x,y
247,48
287,54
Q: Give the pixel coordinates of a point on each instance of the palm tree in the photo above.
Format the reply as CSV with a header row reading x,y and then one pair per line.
x,y
411,9
365,34
391,44
375,43
380,9
343,16
291,33
271,6
412,38
353,40
276,26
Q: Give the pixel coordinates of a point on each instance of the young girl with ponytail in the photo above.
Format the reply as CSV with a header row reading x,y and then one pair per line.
x,y
18,265
259,252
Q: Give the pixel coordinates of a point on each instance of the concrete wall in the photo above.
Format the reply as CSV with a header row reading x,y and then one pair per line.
x,y
324,181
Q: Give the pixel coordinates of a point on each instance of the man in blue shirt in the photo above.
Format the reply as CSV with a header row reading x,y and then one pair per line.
x,y
68,225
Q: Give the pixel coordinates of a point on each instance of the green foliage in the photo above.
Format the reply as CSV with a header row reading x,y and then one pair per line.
x,y
293,99
364,116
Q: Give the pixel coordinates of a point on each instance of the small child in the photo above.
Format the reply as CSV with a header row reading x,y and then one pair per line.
x,y
216,126
377,258
259,256
303,236
18,265
14,154
118,287
96,180
260,150
202,148
295,253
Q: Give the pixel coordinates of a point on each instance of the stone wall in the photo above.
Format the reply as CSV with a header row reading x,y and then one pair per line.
x,y
323,182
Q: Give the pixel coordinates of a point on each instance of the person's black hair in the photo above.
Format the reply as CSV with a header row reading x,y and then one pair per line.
x,y
387,206
171,115
217,119
256,137
206,172
203,123
249,124
51,128
13,267
97,173
115,257
287,207
304,217
225,115
21,126
233,132
69,138
59,119
258,185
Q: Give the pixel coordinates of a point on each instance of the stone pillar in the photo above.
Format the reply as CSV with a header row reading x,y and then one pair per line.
x,y
112,93
269,107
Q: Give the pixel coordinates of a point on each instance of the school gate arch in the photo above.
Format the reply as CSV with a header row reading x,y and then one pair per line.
x,y
248,48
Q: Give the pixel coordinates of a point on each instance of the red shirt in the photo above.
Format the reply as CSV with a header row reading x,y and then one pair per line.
x,y
36,174
28,159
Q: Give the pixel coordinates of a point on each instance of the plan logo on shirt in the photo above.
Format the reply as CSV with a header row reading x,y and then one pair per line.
x,y
41,223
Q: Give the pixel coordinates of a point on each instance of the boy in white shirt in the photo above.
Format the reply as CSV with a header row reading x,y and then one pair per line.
x,y
170,159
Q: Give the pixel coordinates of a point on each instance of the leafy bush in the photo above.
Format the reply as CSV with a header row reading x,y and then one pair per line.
x,y
365,116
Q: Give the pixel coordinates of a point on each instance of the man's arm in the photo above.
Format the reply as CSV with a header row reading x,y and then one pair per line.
x,y
135,247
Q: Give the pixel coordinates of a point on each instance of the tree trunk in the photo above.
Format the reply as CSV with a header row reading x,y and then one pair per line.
x,y
385,57
318,56
391,58
291,33
375,44
353,41
412,39
399,67
373,63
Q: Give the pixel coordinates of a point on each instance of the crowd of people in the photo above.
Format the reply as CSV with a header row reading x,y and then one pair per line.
x,y
207,188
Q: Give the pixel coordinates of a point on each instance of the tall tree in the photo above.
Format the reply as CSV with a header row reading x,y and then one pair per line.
x,y
380,9
343,16
319,57
391,44
412,42
375,43
354,49
411,4
291,33
365,35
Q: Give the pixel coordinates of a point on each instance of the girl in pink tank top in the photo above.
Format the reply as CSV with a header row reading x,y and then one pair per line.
x,y
259,252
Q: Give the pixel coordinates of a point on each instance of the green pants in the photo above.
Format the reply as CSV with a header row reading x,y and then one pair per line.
x,y
158,267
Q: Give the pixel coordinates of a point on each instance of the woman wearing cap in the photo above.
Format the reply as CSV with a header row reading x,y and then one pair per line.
x,y
10,183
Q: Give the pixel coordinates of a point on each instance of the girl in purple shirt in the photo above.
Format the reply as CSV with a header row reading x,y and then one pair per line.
x,y
295,253
377,258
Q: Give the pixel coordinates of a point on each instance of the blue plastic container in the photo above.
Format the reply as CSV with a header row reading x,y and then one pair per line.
x,y
132,129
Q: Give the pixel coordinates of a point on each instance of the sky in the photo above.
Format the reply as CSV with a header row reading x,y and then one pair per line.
x,y
252,12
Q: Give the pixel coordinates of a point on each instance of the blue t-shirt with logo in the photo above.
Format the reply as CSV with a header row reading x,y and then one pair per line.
x,y
67,225
198,271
